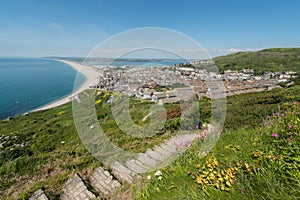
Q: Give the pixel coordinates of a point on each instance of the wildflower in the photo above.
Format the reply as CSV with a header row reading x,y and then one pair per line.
x,y
222,187
204,132
158,173
267,123
269,117
60,113
148,177
176,145
160,177
275,135
199,180
290,127
288,140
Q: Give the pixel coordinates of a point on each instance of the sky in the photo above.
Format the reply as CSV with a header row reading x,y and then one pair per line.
x,y
73,28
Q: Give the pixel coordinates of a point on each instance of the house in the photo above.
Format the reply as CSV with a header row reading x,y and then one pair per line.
x,y
168,100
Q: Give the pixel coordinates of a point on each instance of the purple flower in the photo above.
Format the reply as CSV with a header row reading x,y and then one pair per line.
x,y
275,135
267,123
290,127
176,145
204,132
269,117
288,140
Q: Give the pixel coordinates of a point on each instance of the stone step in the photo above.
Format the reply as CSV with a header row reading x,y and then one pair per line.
x,y
75,189
162,151
155,155
38,195
122,173
146,159
136,166
170,147
102,181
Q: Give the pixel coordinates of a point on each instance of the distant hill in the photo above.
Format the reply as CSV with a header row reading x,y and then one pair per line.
x,y
274,59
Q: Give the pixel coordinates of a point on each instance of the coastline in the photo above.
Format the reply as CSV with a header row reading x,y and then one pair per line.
x,y
89,73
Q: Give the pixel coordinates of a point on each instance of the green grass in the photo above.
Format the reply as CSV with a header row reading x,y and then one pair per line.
x,y
45,162
275,59
265,167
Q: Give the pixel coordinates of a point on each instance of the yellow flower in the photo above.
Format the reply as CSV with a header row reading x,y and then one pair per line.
x,y
228,183
199,180
98,102
215,162
60,113
226,177
247,165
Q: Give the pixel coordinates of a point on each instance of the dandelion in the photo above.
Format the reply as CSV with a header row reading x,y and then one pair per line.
x,y
275,135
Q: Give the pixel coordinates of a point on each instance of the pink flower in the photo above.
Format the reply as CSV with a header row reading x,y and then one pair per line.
x,y
204,132
290,127
288,140
267,123
275,135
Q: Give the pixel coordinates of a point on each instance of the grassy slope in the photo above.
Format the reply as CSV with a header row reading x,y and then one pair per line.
x,y
51,162
263,167
276,59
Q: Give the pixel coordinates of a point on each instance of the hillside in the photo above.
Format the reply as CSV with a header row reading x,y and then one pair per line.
x,y
47,140
275,59
257,153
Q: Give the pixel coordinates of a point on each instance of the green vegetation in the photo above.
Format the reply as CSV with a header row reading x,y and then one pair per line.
x,y
47,142
260,163
256,157
276,59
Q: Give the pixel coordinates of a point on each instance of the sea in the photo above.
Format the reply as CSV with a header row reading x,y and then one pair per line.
x,y
29,83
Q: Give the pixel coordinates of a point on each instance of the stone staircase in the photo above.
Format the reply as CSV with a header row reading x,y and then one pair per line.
x,y
106,182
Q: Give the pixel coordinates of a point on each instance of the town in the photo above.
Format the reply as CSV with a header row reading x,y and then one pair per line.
x,y
170,84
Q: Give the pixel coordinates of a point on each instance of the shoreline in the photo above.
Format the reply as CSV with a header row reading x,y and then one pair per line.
x,y
89,73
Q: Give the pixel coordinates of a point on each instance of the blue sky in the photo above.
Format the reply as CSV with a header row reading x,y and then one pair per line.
x,y
74,28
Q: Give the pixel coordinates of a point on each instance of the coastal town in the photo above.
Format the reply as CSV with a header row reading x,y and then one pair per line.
x,y
169,84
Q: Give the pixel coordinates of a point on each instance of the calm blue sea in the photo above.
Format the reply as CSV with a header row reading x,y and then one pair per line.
x,y
29,83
